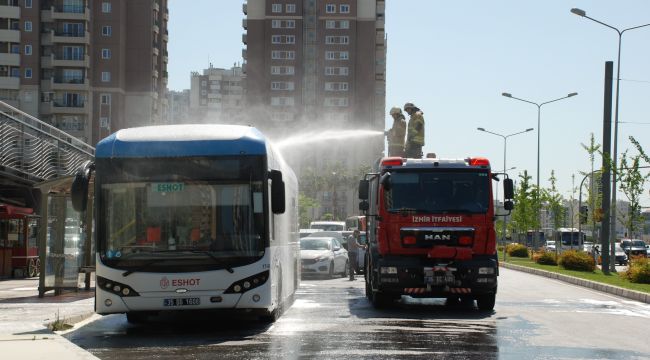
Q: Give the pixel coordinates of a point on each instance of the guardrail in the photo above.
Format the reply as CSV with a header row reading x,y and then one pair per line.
x,y
33,151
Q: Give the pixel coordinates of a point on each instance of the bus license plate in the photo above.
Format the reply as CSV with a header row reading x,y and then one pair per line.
x,y
182,302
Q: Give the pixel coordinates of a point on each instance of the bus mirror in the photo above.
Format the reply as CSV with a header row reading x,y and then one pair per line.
x,y
363,189
385,181
277,192
79,188
364,206
508,189
508,205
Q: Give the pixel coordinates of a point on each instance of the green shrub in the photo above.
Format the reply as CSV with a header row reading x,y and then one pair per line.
x,y
517,250
545,258
638,270
577,260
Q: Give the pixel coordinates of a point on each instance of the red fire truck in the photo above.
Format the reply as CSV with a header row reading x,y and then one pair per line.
x,y
431,230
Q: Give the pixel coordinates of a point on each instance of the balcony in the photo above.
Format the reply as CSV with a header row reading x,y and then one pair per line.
x,y
67,12
244,24
156,29
71,37
165,37
9,35
10,59
61,107
245,8
154,73
10,12
166,15
65,83
156,6
165,59
155,49
244,54
243,38
61,61
9,82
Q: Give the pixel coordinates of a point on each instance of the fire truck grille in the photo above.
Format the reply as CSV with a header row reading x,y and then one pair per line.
x,y
426,237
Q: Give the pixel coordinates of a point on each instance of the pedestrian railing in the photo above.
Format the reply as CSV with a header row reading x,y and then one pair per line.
x,y
32,151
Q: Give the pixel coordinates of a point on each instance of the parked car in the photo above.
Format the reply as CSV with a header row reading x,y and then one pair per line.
x,y
550,245
338,235
634,247
587,246
328,225
323,256
307,232
621,256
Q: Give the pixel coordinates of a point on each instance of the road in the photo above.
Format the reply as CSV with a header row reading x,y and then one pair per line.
x,y
534,318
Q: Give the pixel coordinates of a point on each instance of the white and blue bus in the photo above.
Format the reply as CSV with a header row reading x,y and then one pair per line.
x,y
192,217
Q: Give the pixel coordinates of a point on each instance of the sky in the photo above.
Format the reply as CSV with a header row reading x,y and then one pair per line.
x,y
454,59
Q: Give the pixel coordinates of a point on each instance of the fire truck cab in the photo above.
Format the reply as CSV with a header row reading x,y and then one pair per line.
x,y
430,230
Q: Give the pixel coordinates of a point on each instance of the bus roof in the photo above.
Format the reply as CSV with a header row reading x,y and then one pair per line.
x,y
183,140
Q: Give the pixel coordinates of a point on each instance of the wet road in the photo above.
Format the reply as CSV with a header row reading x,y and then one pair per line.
x,y
534,318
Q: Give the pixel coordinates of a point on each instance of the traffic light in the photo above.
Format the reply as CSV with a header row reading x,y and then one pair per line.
x,y
584,211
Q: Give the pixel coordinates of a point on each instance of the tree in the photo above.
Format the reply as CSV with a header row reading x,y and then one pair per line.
x,y
305,203
524,216
632,184
553,200
594,197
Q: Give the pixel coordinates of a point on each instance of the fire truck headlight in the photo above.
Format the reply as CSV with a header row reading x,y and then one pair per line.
x,y
388,270
486,271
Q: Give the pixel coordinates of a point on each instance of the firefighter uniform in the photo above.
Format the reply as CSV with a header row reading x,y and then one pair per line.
x,y
415,136
396,133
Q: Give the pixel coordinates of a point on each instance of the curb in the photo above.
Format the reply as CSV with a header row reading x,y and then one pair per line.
x,y
610,289
72,320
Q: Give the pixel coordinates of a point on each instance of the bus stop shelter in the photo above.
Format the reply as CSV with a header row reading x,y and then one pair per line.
x,y
64,238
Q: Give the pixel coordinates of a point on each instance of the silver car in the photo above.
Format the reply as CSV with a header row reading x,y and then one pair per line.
x,y
323,256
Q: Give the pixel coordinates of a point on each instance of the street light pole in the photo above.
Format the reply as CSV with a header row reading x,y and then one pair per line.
x,y
612,234
505,145
537,192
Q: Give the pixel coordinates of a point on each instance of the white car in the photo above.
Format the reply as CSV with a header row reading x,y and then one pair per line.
x,y
323,256
550,245
307,232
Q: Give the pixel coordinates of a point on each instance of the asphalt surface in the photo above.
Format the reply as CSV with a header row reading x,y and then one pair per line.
x,y
534,318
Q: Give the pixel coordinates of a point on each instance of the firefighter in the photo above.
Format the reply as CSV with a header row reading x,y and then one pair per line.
x,y
396,133
415,135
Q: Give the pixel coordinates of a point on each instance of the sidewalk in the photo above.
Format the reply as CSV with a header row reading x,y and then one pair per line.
x,y
24,318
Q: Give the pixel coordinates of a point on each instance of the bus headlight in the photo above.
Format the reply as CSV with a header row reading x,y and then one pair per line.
x,y
248,283
115,287
388,270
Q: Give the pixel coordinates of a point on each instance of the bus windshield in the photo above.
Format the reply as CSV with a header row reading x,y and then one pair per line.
x,y
438,192
567,237
183,217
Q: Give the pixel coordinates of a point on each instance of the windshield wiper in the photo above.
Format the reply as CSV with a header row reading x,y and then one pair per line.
x,y
216,259
144,266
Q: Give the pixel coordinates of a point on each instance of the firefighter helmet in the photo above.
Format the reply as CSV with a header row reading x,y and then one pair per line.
x,y
395,111
409,106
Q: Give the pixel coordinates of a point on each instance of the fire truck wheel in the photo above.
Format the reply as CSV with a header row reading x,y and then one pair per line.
x,y
486,302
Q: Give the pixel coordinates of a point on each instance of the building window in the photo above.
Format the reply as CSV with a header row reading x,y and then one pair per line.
x,y
106,53
336,86
336,102
276,8
282,70
282,85
340,40
283,24
28,73
28,4
337,24
107,30
336,55
283,55
330,8
345,9
282,101
28,26
291,8
28,49
283,39
106,7
106,76
333,71
105,99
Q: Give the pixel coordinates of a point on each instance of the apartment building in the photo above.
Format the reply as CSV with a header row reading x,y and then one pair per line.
x,y
178,107
317,65
316,61
89,67
218,96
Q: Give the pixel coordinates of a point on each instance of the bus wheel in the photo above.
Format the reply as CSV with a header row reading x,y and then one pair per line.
x,y
272,316
486,302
